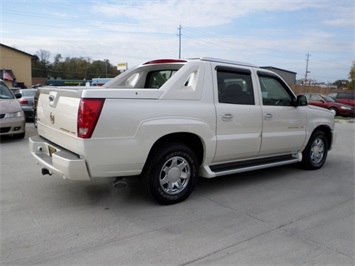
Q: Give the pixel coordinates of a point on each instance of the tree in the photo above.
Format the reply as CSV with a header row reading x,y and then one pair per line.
x,y
57,67
351,85
71,67
341,84
41,65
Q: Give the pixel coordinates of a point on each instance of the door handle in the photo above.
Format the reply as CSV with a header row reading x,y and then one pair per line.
x,y
268,116
227,117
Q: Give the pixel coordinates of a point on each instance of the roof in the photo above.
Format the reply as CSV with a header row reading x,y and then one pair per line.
x,y
280,69
19,51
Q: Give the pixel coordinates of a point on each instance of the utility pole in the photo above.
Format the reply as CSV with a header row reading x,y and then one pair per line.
x,y
306,74
179,34
106,61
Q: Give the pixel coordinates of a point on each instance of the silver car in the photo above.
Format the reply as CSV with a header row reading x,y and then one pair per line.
x,y
26,102
12,118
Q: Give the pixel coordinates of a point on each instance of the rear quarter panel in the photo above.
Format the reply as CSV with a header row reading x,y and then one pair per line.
x,y
127,129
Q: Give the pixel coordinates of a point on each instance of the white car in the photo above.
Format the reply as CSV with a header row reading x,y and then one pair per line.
x,y
171,121
12,118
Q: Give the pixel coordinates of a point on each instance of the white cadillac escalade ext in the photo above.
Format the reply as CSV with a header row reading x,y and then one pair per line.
x,y
171,121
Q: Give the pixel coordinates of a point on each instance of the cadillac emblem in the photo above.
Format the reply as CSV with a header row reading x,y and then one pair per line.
x,y
52,117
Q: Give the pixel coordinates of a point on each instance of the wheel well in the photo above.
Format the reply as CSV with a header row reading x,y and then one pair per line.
x,y
334,108
328,133
190,140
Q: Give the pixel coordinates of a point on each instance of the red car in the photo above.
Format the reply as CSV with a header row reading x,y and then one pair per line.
x,y
347,97
329,103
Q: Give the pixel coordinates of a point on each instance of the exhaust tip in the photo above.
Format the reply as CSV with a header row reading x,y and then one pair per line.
x,y
120,184
45,171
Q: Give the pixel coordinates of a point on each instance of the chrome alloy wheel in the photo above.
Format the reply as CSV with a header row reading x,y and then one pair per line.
x,y
317,151
175,175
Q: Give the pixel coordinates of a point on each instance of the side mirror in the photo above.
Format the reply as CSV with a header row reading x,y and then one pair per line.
x,y
301,100
18,95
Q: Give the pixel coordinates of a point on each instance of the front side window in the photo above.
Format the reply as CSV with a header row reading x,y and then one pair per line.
x,y
274,92
235,88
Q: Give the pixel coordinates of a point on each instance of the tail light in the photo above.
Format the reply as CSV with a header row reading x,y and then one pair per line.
x,y
88,115
23,101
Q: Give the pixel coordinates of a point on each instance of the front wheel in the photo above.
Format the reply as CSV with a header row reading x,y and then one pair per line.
x,y
316,151
334,110
170,173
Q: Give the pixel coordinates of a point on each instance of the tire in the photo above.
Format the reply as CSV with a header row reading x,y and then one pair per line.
x,y
316,151
170,173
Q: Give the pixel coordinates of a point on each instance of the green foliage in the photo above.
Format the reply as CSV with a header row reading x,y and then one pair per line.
x,y
341,84
71,68
351,85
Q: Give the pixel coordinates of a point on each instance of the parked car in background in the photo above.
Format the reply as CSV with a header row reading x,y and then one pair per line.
x,y
347,97
329,103
26,102
35,101
14,90
12,118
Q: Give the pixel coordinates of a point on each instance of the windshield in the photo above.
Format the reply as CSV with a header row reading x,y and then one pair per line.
x,y
328,99
5,92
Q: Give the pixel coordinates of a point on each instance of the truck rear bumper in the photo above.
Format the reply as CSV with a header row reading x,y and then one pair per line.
x,y
57,160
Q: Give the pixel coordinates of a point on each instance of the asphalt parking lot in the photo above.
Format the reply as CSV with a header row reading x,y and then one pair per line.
x,y
278,216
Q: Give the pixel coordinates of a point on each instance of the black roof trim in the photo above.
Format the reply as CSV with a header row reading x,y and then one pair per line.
x,y
233,69
271,67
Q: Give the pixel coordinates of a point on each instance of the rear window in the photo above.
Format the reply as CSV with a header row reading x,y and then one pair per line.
x,y
28,93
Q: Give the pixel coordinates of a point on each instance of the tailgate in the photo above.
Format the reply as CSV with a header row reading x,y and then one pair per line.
x,y
57,112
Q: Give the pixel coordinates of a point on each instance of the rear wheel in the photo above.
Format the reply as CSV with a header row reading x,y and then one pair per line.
x,y
170,173
316,151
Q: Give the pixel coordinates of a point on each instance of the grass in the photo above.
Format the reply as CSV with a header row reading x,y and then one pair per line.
x,y
345,119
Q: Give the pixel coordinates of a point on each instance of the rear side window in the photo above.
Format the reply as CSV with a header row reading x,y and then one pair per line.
x,y
235,87
156,79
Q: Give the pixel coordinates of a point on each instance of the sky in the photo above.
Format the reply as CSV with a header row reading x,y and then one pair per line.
x,y
278,33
